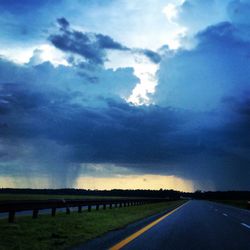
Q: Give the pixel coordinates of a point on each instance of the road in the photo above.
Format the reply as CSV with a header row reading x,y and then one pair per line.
x,y
196,225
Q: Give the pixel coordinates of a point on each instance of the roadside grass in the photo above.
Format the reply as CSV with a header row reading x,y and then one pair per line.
x,y
235,203
6,196
65,231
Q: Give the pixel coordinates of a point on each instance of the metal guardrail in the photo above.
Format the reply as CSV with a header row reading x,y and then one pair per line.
x,y
11,207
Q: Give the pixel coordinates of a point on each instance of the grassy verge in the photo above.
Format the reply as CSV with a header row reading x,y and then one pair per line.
x,y
236,203
64,231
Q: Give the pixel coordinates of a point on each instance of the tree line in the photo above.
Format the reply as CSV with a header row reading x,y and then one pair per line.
x,y
161,193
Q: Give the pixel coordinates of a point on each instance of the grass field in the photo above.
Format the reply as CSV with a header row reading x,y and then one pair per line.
x,y
63,231
50,196
236,203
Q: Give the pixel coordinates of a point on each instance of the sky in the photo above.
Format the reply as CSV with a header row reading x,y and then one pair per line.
x,y
103,94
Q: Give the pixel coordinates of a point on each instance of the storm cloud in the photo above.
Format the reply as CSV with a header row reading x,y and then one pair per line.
x,y
54,120
91,46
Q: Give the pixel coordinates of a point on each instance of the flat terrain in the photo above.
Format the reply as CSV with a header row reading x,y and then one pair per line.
x,y
196,225
50,196
236,203
63,231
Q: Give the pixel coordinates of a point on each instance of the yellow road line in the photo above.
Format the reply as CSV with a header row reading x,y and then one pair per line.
x,y
143,230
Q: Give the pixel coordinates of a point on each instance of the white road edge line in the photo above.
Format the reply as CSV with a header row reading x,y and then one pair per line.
x,y
225,214
245,225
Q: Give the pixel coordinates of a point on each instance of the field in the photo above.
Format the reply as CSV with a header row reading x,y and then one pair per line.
x,y
50,196
63,231
236,203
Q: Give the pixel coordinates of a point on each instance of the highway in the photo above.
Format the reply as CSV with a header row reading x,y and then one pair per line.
x,y
196,225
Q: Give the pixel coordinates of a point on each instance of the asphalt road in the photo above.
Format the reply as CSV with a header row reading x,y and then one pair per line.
x,y
197,225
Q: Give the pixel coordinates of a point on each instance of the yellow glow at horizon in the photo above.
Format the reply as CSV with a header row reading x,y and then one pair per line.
x,y
23,182
154,182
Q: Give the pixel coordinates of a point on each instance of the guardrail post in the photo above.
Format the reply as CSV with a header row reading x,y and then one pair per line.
x,y
67,210
97,207
35,213
11,218
79,209
110,205
53,212
120,205
89,208
104,206
115,205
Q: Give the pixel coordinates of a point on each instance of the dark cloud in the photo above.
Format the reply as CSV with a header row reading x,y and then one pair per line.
x,y
212,80
106,42
153,56
32,114
145,139
39,103
199,143
63,23
91,46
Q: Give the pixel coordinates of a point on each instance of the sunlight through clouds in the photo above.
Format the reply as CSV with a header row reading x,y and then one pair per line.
x,y
43,52
146,72
171,12
143,69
